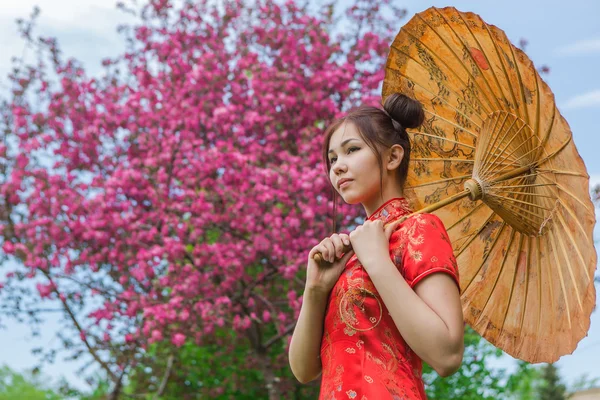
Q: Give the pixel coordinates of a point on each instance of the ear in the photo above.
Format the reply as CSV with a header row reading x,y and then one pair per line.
x,y
395,156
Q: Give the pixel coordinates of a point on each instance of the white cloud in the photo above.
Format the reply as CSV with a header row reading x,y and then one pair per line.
x,y
85,29
589,99
56,10
587,46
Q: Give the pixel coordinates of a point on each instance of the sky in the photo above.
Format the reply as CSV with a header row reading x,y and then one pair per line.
x,y
564,37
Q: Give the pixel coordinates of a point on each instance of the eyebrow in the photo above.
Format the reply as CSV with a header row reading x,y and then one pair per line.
x,y
342,145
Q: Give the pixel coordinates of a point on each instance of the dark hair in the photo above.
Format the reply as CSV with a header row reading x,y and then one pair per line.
x,y
380,129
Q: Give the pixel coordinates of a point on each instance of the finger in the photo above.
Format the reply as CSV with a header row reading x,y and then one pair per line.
x,y
389,230
346,239
338,245
330,250
314,251
344,260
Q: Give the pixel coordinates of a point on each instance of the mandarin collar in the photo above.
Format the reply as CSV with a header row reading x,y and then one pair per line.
x,y
391,209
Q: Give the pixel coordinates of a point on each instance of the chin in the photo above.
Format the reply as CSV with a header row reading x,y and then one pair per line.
x,y
350,198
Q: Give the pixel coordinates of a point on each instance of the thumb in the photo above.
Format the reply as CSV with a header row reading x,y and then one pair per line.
x,y
389,229
346,257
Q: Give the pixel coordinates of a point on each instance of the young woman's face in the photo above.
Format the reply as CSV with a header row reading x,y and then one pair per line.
x,y
351,158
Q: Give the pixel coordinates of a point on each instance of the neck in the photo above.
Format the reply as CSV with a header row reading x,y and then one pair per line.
x,y
373,205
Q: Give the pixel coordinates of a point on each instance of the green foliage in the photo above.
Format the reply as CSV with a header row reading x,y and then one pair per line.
x,y
524,382
216,370
14,385
475,380
551,387
212,370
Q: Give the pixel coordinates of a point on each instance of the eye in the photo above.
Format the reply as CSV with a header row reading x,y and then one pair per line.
x,y
350,150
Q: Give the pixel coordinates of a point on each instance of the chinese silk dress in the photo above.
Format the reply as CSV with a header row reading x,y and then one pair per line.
x,y
363,355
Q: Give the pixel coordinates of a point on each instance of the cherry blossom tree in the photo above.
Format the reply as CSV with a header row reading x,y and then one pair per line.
x,y
178,193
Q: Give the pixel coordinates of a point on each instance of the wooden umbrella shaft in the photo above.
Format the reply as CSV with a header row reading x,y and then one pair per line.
x,y
322,263
473,190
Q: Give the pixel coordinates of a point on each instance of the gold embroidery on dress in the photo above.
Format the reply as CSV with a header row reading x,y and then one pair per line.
x,y
353,298
355,295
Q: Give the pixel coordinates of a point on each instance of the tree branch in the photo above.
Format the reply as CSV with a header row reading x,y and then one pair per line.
x,y
91,350
288,329
165,379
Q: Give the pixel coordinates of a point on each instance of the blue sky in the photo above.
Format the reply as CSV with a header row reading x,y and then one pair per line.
x,y
564,37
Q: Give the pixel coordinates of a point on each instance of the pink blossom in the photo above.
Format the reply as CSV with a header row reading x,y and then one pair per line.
x,y
178,339
176,200
45,290
156,336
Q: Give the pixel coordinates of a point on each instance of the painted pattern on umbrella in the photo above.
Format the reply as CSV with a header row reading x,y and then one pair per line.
x,y
524,246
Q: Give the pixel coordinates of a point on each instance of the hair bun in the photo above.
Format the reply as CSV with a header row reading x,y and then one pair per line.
x,y
406,111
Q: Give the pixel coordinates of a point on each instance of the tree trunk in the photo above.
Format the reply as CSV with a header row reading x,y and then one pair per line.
x,y
269,376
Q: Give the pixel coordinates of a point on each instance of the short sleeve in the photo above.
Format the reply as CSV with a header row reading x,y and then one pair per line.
x,y
422,248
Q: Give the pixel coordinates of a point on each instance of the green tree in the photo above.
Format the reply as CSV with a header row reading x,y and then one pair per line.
x,y
14,385
476,380
551,387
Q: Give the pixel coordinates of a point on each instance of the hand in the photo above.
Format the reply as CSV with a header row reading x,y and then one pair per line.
x,y
371,241
323,279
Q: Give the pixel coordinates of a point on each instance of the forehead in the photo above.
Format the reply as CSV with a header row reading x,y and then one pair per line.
x,y
345,131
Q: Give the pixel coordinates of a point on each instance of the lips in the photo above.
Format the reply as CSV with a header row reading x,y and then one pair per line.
x,y
342,182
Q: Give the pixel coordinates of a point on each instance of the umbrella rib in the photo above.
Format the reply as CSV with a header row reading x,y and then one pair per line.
x,y
570,211
570,269
512,236
458,160
523,193
465,85
561,172
527,297
522,202
512,284
530,199
485,258
523,186
433,94
562,282
508,80
577,250
521,85
465,216
451,123
551,124
509,142
586,206
539,287
472,59
524,210
442,138
461,178
492,164
537,110
492,145
473,235
516,161
487,60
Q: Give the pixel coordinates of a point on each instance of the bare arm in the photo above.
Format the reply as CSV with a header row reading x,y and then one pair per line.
x,y
429,318
305,347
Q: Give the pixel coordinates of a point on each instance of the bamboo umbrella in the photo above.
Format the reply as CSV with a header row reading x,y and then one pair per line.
x,y
495,160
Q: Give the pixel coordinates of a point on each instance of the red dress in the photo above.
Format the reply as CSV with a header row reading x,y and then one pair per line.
x,y
363,355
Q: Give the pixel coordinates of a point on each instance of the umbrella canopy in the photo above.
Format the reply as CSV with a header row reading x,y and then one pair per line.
x,y
495,160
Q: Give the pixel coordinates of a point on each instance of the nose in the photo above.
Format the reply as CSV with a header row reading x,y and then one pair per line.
x,y
339,167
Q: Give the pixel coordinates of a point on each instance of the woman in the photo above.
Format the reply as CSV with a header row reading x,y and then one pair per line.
x,y
369,319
